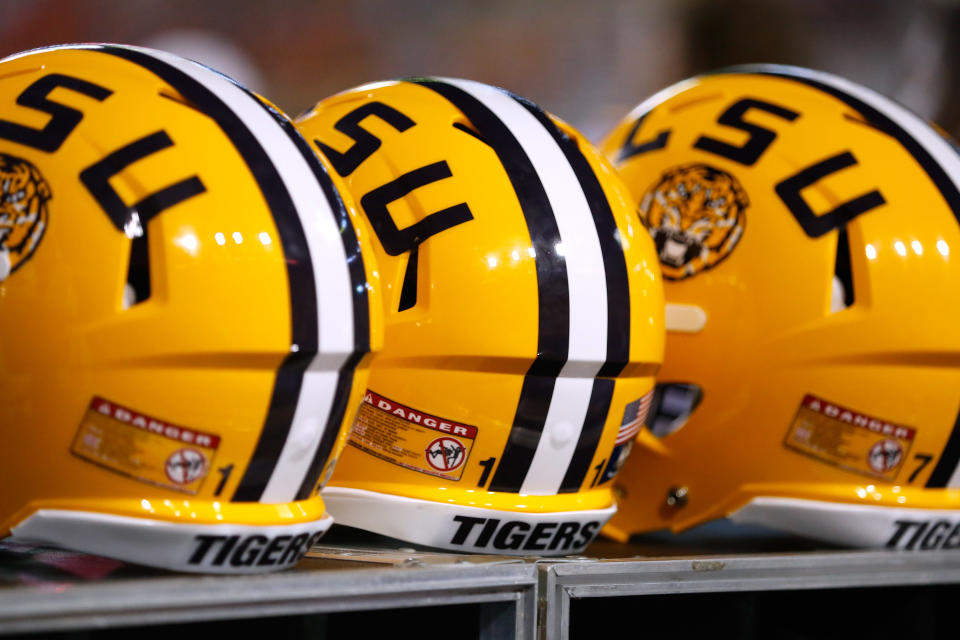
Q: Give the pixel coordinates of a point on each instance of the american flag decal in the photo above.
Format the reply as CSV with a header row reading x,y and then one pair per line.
x,y
634,417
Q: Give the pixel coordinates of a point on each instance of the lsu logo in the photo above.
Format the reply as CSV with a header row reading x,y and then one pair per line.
x,y
23,212
696,215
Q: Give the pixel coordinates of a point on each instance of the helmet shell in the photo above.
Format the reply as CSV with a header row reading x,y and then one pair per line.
x,y
182,313
523,318
808,229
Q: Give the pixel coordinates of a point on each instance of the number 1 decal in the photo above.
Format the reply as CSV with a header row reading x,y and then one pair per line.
x,y
487,468
596,476
225,474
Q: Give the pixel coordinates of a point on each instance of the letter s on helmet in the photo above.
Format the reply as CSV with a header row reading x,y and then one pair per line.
x,y
183,305
809,231
523,314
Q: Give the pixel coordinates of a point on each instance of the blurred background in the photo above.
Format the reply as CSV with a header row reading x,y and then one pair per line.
x,y
587,61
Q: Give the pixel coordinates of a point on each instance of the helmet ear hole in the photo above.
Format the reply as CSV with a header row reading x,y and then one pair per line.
x,y
673,404
842,285
176,97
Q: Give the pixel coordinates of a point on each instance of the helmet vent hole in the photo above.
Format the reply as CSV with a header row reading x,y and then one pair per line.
x,y
176,97
137,288
470,130
841,295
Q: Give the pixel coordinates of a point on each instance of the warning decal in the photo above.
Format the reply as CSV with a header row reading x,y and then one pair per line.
x,y
145,448
849,439
411,439
446,454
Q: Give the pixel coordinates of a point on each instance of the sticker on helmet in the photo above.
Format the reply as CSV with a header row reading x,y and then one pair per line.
x,y
634,417
407,437
696,215
885,456
185,466
23,212
446,454
849,439
144,448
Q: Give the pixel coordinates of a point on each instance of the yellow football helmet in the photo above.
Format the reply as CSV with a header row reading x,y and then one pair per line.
x,y
523,317
809,233
184,310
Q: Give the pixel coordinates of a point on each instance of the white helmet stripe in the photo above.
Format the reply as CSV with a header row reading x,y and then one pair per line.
x,y
579,246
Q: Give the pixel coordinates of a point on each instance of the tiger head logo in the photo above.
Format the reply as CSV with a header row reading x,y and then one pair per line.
x,y
23,212
696,215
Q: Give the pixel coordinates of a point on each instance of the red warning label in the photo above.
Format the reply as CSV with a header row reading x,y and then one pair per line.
x,y
143,447
446,454
849,439
411,438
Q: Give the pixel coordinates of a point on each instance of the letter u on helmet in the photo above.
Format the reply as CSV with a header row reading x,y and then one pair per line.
x,y
809,231
183,309
522,308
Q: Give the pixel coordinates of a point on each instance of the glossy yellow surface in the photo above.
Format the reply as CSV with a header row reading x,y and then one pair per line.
x,y
462,351
770,335
201,352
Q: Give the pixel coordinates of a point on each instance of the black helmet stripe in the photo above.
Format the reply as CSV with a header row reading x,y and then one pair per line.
x,y
361,315
553,331
946,466
559,391
361,308
618,302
